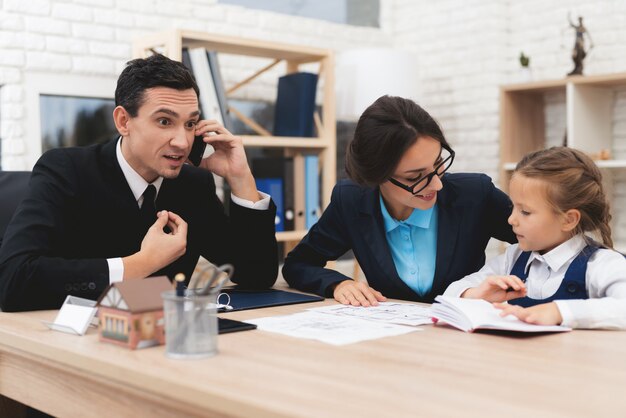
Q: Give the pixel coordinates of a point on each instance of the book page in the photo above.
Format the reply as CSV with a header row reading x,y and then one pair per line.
x,y
471,314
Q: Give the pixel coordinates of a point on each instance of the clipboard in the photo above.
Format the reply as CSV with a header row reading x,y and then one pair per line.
x,y
255,299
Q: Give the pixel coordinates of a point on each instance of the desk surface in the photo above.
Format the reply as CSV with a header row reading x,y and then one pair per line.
x,y
437,372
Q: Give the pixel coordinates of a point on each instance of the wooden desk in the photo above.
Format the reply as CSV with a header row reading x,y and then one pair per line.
x,y
439,372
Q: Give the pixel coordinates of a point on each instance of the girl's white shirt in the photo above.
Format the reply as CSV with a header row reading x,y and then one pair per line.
x,y
605,282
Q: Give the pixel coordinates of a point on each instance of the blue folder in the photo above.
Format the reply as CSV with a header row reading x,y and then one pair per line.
x,y
274,188
247,299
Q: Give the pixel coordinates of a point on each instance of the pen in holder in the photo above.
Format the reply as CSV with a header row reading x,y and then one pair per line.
x,y
191,317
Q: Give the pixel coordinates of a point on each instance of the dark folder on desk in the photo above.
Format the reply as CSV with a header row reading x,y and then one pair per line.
x,y
226,326
245,299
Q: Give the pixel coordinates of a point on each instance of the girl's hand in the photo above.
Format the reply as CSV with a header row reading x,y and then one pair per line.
x,y
497,289
351,292
544,314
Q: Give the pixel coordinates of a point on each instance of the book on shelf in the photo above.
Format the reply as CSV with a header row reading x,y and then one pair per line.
x,y
474,314
186,60
205,69
295,105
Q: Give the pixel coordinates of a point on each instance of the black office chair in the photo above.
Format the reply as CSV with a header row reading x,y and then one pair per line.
x,y
13,188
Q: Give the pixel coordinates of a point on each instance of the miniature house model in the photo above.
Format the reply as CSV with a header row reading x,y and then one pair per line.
x,y
131,312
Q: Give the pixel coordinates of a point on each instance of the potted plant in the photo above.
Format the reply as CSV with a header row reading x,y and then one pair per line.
x,y
525,73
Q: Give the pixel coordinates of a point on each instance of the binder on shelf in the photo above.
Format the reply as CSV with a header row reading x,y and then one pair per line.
x,y
186,60
312,189
288,194
274,187
279,167
205,68
299,195
295,105
219,88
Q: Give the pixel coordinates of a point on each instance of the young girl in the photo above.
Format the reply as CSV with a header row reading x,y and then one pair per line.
x,y
556,274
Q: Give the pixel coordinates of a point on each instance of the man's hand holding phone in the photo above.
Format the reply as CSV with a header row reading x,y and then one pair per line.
x,y
228,160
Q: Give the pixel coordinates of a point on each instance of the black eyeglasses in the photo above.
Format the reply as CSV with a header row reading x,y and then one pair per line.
x,y
446,158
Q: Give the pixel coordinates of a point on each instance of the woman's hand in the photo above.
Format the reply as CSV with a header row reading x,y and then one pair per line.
x,y
543,314
351,292
497,289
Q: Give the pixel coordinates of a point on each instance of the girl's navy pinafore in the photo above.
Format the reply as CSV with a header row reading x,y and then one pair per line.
x,y
573,284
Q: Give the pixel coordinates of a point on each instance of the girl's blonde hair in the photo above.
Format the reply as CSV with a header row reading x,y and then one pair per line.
x,y
573,182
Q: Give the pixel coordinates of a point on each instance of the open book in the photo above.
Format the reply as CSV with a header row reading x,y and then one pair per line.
x,y
472,314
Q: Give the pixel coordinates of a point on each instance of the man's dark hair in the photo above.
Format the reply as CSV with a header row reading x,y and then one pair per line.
x,y
144,73
385,131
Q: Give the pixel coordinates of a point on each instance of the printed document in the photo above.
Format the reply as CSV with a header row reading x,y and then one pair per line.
x,y
389,312
331,329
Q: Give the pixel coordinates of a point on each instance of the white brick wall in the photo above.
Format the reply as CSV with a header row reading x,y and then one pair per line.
x,y
34,7
469,48
94,38
466,50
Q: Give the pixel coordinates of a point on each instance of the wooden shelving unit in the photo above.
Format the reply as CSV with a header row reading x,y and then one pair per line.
x,y
171,43
589,102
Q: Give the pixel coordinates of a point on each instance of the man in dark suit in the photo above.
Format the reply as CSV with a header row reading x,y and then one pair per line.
x,y
132,207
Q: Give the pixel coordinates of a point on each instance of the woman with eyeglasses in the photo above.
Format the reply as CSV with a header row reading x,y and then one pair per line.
x,y
413,228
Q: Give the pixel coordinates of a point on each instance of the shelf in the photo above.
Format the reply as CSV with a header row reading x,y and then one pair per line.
x,y
589,107
604,80
611,163
290,236
535,86
600,163
171,43
283,142
509,166
591,115
252,47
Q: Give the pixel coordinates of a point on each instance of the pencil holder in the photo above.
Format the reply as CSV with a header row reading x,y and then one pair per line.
x,y
190,325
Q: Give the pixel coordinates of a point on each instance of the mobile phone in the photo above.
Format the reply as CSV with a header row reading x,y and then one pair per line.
x,y
197,150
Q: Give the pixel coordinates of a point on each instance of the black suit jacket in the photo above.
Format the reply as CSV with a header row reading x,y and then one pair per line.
x,y
471,210
80,211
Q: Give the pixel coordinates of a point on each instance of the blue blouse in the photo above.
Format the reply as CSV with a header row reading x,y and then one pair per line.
x,y
413,245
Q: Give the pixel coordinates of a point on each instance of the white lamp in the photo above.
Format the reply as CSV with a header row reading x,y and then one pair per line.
x,y
363,75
